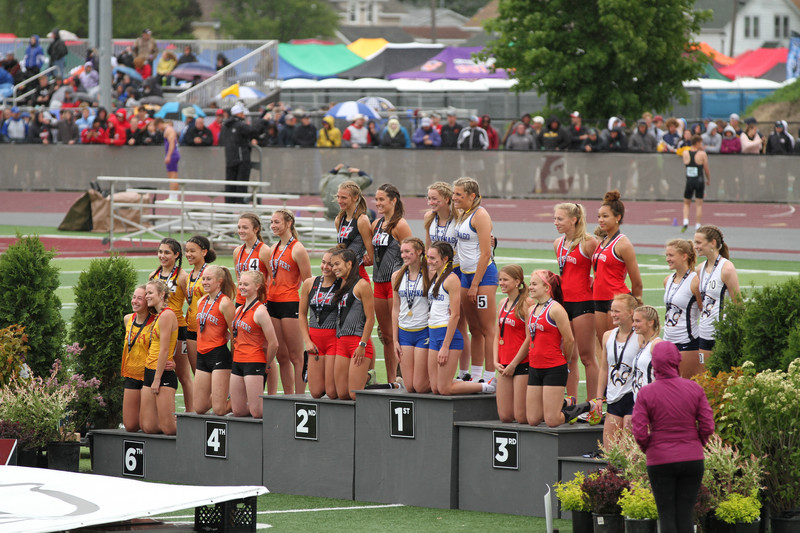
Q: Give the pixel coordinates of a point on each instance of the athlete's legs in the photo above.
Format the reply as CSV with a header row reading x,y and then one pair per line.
x,y
520,390
466,353
611,428
330,381
383,313
254,388
534,406
238,396
699,210
220,385
407,367
686,203
445,374
357,376
173,185
553,398
690,364
191,351
422,382
165,404
316,375
583,330
602,323
131,401
184,373
505,398
202,392
284,360
341,373
290,328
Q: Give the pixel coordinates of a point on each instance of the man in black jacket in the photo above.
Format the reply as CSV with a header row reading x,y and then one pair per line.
x,y
554,136
237,136
305,135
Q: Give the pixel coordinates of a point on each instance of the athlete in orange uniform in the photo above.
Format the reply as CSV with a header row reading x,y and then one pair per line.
x,y
198,254
253,254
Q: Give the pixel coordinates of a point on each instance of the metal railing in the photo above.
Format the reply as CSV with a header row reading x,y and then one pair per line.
x,y
15,97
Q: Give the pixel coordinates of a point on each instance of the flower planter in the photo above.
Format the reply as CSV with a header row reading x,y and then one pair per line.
x,y
608,523
33,457
785,525
64,456
582,522
641,525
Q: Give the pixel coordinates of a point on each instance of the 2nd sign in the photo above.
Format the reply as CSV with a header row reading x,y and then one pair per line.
x,y
216,439
305,421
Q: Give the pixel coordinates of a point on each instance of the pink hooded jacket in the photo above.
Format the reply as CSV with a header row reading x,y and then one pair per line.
x,y
671,419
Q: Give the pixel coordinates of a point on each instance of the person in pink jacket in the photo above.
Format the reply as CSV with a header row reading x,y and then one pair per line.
x,y
671,423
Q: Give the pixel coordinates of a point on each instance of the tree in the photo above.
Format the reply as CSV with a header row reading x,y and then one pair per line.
x,y
605,57
28,284
283,20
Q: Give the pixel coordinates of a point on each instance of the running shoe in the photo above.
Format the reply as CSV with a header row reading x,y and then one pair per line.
x,y
572,413
372,377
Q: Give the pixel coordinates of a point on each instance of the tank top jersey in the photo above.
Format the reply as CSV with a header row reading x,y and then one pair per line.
x,y
177,294
350,319
642,368
469,250
387,254
545,350
681,316
693,170
249,261
446,233
438,307
285,275
194,291
214,331
712,290
155,344
512,332
576,272
249,341
320,304
621,357
609,272
412,291
348,235
135,347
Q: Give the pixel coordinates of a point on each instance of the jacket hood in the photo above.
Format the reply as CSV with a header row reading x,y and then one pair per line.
x,y
666,360
35,39
612,122
328,120
551,120
711,127
730,129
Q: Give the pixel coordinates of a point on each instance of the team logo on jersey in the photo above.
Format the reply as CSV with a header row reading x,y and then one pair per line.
x,y
344,232
672,316
708,306
619,374
380,239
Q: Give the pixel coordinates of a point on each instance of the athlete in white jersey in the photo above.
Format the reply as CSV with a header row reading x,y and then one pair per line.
x,y
716,277
681,301
646,324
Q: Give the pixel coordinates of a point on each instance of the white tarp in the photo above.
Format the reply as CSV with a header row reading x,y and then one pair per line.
x,y
41,500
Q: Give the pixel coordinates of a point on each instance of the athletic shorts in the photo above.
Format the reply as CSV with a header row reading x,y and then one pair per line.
x,y
602,306
281,310
690,346
172,165
168,379
132,384
457,271
437,336
191,335
548,377
182,333
249,369
706,344
489,277
324,340
622,407
523,369
576,309
362,271
383,290
694,187
417,339
346,346
219,358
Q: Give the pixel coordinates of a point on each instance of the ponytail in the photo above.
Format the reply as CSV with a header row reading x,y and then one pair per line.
x,y
419,246
348,256
446,251
713,233
204,244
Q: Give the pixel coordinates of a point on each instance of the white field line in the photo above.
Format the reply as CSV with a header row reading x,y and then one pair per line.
x,y
315,510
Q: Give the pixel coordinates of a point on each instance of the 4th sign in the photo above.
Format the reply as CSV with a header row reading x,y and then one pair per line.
x,y
401,414
216,439
133,458
505,452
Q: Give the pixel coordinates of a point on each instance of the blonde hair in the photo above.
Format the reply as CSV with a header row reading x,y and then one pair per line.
x,y
446,190
361,204
288,216
470,186
684,247
577,212
419,246
651,315
163,290
258,278
630,301
227,286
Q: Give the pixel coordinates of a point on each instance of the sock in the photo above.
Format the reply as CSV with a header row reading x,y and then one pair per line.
x,y
461,373
685,221
485,387
697,226
173,197
476,372
488,376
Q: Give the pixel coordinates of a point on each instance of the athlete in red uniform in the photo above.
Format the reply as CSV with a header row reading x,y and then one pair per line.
x,y
512,379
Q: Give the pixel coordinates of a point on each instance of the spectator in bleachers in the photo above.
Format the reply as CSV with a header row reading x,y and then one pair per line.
x,y
577,131
451,131
126,57
141,114
751,139
641,140
67,129
436,120
222,61
89,78
57,52
329,135
657,129
187,56
15,129
41,129
537,124
85,119
473,137
43,93
152,136
145,47
286,134
426,135
520,139
730,141
779,141
593,143
34,57
394,136
116,134
733,120
512,127
671,138
198,135
216,125
135,128
374,134
94,135
712,140
165,65
356,135
491,133
617,142
554,137
189,115
305,134
142,67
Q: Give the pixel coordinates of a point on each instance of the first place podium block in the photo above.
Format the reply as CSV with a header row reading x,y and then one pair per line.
x,y
407,445
309,446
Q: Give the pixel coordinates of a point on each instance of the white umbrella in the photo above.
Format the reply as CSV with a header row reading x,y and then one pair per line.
x,y
347,110
378,103
245,93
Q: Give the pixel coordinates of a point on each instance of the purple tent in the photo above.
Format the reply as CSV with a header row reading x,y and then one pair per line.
x,y
452,63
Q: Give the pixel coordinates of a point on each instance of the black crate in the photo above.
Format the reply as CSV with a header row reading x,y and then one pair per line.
x,y
231,516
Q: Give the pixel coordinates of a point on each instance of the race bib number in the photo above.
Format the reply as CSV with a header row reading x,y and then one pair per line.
x,y
483,301
253,264
691,172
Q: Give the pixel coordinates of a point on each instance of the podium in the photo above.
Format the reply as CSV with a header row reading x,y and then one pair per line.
x,y
135,455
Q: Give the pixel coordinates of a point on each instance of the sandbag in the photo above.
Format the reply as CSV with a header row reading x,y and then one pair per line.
x,y
79,216
101,211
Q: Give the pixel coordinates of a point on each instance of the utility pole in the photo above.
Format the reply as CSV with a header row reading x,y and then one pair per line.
x,y
100,22
733,25
433,21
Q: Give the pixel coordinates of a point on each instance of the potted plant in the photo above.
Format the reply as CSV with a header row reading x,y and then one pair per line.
x,y
574,499
741,513
765,409
626,456
604,489
639,509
